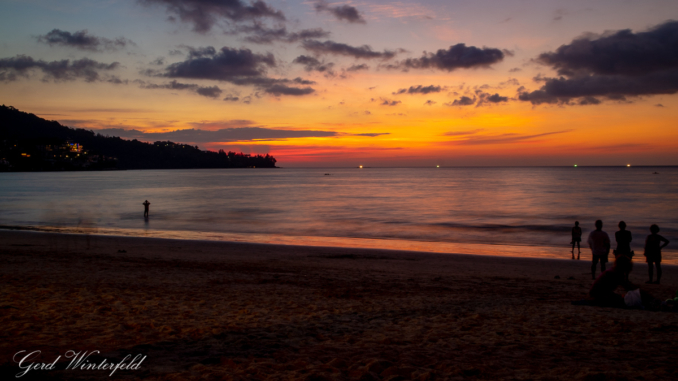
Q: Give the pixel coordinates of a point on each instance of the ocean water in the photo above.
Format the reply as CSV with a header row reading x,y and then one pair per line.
x,y
506,211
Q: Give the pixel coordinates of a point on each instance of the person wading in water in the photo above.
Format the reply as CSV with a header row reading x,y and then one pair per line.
x,y
146,204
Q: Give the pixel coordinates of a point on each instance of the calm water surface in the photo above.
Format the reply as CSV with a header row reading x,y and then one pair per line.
x,y
445,209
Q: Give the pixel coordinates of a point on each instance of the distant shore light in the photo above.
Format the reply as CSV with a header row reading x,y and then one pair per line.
x,y
575,165
361,167
628,165
437,166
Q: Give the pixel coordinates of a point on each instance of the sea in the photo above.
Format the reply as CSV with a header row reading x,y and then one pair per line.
x,y
505,211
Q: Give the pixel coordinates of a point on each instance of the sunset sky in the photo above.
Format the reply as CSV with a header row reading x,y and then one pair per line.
x,y
374,83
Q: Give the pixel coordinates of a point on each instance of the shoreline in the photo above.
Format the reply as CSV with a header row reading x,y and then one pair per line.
x,y
498,250
218,310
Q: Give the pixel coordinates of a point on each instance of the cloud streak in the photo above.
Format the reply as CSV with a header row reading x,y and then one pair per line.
x,y
279,90
83,40
464,133
342,12
372,134
221,135
260,34
357,67
419,90
206,91
336,48
475,139
463,101
388,102
313,64
484,98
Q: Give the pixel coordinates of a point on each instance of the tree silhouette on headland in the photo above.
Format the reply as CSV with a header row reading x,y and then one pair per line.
x,y
30,143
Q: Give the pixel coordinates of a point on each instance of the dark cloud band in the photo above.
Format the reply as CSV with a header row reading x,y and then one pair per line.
x,y
237,66
456,57
204,14
226,65
613,66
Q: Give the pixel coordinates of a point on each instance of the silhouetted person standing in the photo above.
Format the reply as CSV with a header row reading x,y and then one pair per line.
x,y
576,239
599,242
623,238
146,204
653,252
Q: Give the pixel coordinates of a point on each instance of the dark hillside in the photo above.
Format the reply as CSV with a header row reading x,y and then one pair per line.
x,y
30,143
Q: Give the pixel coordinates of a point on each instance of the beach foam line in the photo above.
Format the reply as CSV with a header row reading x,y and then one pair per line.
x,y
501,250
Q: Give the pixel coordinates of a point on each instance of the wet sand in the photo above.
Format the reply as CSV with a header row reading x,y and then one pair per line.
x,y
236,311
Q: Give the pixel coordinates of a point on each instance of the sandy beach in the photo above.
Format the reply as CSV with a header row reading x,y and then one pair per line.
x,y
237,311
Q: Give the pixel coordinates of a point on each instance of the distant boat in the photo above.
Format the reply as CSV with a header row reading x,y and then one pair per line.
x,y
655,173
327,174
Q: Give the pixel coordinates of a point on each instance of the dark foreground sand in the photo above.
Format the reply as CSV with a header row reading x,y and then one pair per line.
x,y
213,311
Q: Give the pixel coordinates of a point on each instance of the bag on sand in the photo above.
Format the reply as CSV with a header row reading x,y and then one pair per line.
x,y
632,299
